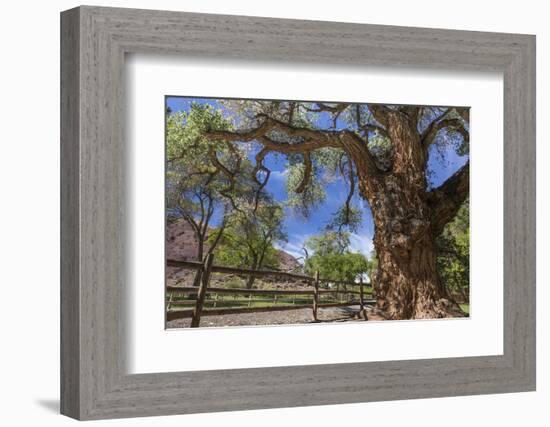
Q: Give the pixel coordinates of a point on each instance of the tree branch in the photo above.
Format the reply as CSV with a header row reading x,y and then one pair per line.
x,y
219,165
412,111
209,213
464,113
337,108
447,198
220,231
358,150
227,191
430,134
366,127
380,113
307,174
312,139
374,128
190,220
347,205
260,167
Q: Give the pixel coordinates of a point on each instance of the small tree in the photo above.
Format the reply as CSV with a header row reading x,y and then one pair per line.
x,y
204,180
249,236
346,267
331,242
333,259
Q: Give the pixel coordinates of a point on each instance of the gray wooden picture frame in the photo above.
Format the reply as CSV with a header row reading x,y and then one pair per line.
x,y
94,382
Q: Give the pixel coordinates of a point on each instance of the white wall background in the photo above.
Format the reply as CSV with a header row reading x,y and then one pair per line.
x,y
29,212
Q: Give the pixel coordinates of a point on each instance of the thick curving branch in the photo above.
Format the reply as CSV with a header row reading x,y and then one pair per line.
x,y
463,112
455,124
358,151
310,140
446,200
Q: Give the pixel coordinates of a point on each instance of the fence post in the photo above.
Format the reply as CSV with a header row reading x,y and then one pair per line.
x,y
316,295
361,299
196,319
169,301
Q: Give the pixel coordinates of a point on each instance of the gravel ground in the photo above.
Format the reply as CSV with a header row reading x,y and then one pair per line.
x,y
301,316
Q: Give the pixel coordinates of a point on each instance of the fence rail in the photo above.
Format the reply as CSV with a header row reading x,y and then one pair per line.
x,y
186,289
202,279
195,265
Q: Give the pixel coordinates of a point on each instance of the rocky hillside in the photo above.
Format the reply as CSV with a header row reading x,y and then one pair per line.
x,y
287,262
181,244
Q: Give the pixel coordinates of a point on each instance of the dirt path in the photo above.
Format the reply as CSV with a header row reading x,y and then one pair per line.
x,y
301,316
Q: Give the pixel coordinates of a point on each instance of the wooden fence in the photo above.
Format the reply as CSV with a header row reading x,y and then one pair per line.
x,y
345,294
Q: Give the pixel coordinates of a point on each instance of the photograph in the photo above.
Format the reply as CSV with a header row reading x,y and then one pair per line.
x,y
300,212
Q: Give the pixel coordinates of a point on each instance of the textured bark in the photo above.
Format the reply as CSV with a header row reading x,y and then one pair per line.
x,y
200,247
407,283
251,279
250,282
407,221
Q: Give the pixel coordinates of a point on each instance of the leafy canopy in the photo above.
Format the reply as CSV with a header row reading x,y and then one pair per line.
x,y
454,253
249,237
333,259
207,180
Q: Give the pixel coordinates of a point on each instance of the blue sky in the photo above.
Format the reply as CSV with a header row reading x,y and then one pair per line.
x,y
299,229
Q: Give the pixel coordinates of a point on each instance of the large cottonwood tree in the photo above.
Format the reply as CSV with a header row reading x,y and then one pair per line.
x,y
382,151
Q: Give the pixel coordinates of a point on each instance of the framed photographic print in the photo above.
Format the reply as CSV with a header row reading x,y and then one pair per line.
x,y
286,213
275,188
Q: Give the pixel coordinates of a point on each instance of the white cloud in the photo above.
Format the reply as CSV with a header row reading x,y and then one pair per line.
x,y
279,175
361,243
294,246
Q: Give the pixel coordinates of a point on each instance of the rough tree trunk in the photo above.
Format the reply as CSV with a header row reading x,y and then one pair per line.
x,y
408,284
405,230
251,279
250,282
200,252
200,249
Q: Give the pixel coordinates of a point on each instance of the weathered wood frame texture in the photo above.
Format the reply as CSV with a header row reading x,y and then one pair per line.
x,y
94,41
